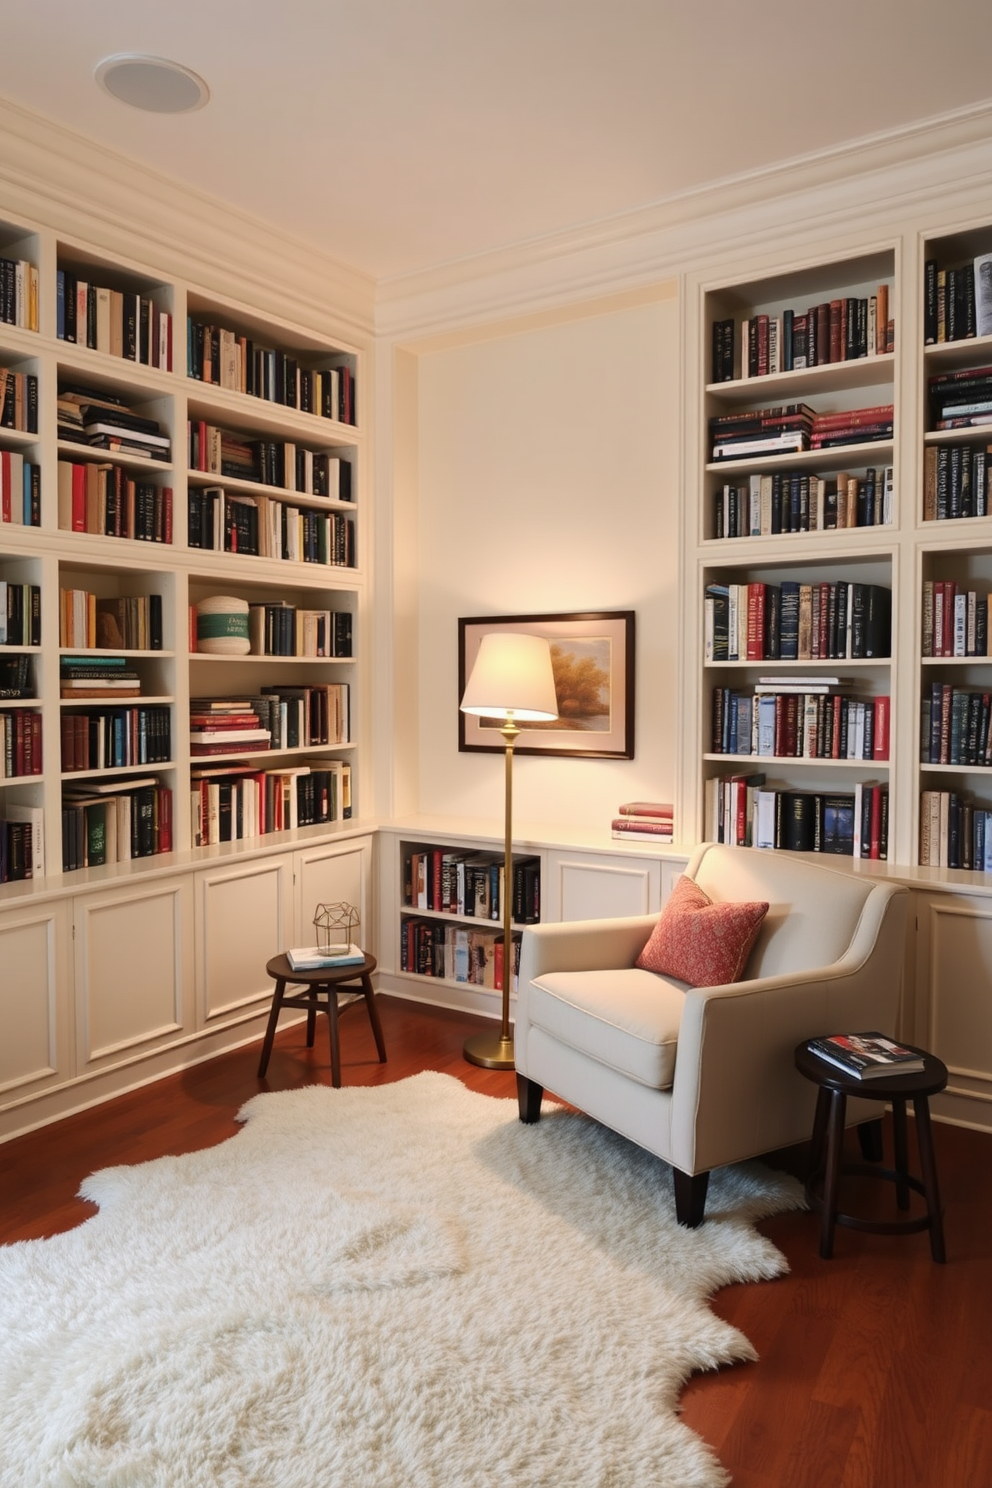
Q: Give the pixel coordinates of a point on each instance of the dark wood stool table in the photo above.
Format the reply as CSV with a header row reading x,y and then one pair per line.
x,y
828,1137
323,984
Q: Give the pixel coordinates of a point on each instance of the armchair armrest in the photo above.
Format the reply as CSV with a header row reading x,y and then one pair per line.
x,y
583,945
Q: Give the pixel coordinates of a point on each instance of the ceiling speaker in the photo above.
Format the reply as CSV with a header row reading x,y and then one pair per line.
x,y
152,83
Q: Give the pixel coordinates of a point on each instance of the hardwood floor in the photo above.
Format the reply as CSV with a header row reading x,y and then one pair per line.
x,y
874,1369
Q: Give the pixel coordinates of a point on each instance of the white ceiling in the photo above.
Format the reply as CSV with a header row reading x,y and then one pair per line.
x,y
399,134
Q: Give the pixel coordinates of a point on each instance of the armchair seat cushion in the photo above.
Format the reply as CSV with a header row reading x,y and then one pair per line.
x,y
627,1019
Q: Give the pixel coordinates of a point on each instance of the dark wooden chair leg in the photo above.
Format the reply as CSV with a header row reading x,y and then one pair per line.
x,y
529,1097
332,1024
870,1138
380,1042
928,1163
831,1175
901,1147
690,1197
270,1031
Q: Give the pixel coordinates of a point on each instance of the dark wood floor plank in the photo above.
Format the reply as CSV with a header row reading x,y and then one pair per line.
x,y
874,1369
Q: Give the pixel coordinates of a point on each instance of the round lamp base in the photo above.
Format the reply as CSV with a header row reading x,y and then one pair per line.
x,y
489,1050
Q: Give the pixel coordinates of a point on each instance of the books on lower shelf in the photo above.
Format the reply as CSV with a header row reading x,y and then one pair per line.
x,y
459,953
954,832
470,883
104,499
866,1056
782,720
312,958
20,490
232,803
954,726
115,821
648,821
742,811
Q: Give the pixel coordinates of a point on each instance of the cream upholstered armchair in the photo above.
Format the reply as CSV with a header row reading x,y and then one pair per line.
x,y
703,1076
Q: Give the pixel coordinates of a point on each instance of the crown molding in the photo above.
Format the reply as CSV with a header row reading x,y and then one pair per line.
x,y
920,163
53,178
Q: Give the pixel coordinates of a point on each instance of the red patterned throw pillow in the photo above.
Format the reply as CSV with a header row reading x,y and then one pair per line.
x,y
699,942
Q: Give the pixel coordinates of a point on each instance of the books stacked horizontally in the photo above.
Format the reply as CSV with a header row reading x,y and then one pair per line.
x,y
225,726
649,821
312,958
738,436
105,421
854,426
961,400
867,1056
101,676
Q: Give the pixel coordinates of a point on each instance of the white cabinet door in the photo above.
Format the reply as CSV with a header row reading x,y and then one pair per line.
x,y
133,964
244,917
954,998
35,1026
593,886
334,873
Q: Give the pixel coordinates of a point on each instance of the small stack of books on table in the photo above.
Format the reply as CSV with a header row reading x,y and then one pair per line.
x,y
650,821
867,1056
313,958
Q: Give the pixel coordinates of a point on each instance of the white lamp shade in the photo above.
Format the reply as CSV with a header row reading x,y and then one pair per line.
x,y
512,678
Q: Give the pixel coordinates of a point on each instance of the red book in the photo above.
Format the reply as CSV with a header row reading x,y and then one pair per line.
x,y
880,743
164,819
167,514
755,622
79,498
875,831
5,508
647,808
838,703
836,331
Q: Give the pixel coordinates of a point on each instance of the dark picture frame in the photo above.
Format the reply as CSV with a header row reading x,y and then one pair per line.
x,y
593,656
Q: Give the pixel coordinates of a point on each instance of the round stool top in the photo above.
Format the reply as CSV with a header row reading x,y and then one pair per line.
x,y
927,1081
279,969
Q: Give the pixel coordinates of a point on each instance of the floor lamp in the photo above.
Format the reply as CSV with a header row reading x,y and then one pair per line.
x,y
511,679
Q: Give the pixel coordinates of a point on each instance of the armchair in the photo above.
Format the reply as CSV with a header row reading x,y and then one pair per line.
x,y
703,1076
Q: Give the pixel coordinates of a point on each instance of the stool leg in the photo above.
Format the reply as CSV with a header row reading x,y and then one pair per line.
x,y
901,1150
332,1023
928,1163
369,991
270,1031
312,1017
831,1180
818,1141
870,1138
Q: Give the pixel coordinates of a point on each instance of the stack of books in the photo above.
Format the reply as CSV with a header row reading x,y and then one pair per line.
x,y
97,677
781,430
104,421
649,821
853,426
225,726
313,958
961,400
866,1056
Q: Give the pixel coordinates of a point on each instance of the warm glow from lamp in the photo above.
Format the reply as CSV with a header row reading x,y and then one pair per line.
x,y
512,678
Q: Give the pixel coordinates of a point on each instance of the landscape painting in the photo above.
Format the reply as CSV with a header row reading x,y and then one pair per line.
x,y
592,655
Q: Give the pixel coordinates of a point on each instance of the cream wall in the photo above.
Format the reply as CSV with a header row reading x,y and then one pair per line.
x,y
548,480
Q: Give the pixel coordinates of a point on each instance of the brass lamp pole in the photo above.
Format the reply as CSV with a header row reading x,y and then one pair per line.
x,y
512,679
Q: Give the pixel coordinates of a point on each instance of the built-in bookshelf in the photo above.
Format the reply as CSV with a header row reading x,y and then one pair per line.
x,y
451,914
160,447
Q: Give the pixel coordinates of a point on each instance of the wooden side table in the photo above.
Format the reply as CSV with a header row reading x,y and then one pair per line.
x,y
323,985
828,1136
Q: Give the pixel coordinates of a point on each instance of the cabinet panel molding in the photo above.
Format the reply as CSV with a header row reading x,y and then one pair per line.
x,y
243,918
35,1047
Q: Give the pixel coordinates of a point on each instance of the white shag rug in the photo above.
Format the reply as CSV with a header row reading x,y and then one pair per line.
x,y
391,1287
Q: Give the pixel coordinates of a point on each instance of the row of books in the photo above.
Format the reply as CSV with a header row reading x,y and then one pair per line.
x,y
105,499
20,742
957,482
126,622
743,812
459,953
116,738
957,302
796,426
954,726
955,620
961,400
20,490
15,676
104,420
768,503
268,462
237,803
645,821
264,527
115,821
279,717
226,359
842,329
16,846
793,621
97,676
800,724
20,614
470,884
18,401
281,629
117,322
954,832
19,293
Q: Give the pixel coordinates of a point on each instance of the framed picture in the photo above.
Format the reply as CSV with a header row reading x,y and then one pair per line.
x,y
592,653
